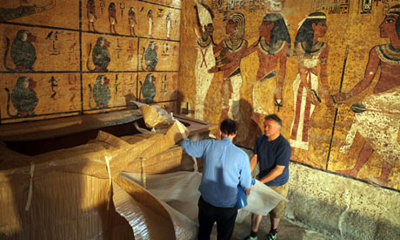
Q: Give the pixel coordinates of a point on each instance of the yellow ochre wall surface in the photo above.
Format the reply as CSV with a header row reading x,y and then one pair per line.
x,y
153,53
355,40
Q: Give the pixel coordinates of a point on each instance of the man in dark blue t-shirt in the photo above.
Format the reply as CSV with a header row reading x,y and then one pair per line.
x,y
272,152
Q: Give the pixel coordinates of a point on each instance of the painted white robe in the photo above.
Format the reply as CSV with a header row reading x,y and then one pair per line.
x,y
205,60
300,124
380,123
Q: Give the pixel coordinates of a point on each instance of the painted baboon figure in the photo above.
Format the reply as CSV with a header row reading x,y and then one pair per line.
x,y
101,92
148,89
23,97
100,56
150,57
22,53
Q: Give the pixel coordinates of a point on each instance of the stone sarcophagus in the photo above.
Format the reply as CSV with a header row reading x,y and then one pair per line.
x,y
61,179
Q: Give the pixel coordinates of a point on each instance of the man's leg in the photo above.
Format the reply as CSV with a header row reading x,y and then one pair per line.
x,y
206,219
255,224
226,222
272,235
274,222
278,212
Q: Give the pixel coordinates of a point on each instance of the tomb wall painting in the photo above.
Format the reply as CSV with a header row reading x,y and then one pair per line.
x,y
51,13
102,90
157,87
85,57
292,68
29,95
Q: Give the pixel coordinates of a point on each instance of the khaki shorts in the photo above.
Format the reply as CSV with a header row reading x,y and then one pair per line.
x,y
279,210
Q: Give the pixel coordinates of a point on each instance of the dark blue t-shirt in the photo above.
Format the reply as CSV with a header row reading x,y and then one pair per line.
x,y
270,154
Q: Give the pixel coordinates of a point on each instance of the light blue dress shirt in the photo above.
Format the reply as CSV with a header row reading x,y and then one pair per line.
x,y
225,166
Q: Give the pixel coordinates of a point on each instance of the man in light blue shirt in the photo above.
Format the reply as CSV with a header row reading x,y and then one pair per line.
x,y
225,166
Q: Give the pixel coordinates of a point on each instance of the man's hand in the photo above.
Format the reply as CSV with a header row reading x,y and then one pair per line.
x,y
248,192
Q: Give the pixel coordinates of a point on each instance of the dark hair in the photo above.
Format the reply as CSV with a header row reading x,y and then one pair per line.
x,y
131,11
279,31
394,10
275,118
228,127
306,32
111,6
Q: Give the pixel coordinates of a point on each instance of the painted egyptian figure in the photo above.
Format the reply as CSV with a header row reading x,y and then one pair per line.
x,y
273,48
91,15
230,52
168,24
132,21
306,87
150,22
205,56
377,117
112,17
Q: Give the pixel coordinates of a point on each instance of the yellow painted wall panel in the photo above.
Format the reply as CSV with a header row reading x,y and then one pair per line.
x,y
113,52
158,55
346,42
108,90
48,49
45,94
67,46
164,84
53,13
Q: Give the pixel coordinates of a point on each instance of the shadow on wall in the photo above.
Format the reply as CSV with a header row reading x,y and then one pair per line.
x,y
249,128
129,98
179,98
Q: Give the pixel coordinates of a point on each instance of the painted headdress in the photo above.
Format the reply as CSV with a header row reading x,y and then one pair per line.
x,y
279,32
305,32
238,18
312,16
394,9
